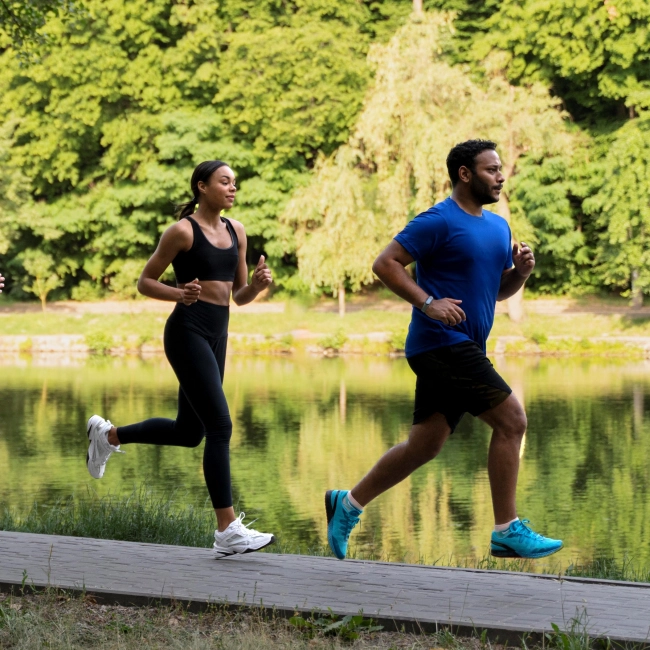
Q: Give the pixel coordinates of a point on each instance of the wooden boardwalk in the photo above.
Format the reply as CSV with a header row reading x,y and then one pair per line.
x,y
507,605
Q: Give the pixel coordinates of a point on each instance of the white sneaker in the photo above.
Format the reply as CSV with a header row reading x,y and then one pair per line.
x,y
99,449
238,538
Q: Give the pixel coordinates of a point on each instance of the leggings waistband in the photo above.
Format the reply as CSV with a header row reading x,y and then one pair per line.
x,y
208,319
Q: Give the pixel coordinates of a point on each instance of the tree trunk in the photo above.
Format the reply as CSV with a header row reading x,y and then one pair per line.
x,y
515,306
417,6
341,293
637,292
43,299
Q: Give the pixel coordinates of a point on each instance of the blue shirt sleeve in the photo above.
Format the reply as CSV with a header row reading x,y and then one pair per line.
x,y
424,235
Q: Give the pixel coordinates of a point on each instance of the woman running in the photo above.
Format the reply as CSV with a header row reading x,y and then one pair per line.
x,y
208,254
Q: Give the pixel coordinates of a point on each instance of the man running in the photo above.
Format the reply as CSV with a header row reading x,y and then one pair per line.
x,y
464,264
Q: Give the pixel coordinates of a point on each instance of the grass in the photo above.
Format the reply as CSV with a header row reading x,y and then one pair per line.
x,y
138,517
55,619
144,517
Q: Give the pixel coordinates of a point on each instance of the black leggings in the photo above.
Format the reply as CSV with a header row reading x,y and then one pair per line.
x,y
195,344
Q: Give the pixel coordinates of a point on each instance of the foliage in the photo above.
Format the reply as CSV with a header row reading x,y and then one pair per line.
x,y
348,627
335,341
45,277
21,20
394,164
595,54
103,130
622,209
336,118
99,342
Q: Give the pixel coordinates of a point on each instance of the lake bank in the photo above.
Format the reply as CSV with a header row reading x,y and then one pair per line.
x,y
553,327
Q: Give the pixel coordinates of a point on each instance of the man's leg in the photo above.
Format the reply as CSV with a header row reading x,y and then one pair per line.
x,y
424,443
508,422
344,508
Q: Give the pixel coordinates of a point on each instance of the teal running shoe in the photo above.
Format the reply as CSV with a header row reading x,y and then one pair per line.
x,y
342,517
521,541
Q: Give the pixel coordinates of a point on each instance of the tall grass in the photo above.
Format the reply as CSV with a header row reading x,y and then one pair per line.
x,y
137,517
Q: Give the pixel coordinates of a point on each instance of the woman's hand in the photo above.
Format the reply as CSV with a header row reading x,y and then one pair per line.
x,y
261,276
191,292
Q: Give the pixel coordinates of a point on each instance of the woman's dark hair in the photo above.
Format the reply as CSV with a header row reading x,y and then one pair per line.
x,y
202,172
464,155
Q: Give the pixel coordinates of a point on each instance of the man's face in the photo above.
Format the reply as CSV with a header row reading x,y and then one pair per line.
x,y
486,180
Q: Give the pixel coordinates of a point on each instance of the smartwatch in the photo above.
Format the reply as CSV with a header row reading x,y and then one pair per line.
x,y
426,304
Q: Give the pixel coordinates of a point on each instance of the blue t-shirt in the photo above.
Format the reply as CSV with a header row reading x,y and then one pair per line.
x,y
457,256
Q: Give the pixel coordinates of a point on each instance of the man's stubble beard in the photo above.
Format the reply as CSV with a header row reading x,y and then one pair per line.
x,y
481,191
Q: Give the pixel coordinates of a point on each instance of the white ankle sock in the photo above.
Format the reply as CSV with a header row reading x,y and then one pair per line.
x,y
353,501
499,528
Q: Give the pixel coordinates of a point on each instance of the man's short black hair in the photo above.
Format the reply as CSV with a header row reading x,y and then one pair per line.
x,y
464,155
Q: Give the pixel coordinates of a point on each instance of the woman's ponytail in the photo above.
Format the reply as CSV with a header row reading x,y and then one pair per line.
x,y
186,209
202,173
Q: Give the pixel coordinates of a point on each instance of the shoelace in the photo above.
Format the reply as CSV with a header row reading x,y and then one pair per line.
x,y
530,531
347,524
240,524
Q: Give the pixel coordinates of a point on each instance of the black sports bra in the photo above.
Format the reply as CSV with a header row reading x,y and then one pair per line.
x,y
206,261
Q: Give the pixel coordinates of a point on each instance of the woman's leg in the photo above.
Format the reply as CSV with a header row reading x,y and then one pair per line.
x,y
185,431
199,374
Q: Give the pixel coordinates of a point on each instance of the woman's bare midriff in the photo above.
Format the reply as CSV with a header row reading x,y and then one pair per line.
x,y
216,292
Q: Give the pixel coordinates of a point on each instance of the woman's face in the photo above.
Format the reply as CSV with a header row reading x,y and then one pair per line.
x,y
219,192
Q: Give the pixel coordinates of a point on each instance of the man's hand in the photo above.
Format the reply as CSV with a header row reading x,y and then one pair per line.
x,y
523,259
2,283
261,275
191,292
446,311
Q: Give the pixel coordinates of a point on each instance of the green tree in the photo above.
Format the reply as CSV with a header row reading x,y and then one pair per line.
x,y
22,20
594,53
394,164
44,275
622,209
109,121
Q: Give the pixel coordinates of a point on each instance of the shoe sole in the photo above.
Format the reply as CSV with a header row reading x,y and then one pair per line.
x,y
513,554
219,555
329,510
89,426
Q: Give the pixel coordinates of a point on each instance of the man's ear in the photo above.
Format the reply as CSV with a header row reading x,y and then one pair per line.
x,y
464,174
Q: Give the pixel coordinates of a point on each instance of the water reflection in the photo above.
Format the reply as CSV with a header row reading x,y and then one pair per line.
x,y
302,425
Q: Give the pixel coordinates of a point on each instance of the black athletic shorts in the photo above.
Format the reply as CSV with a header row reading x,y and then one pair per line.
x,y
453,380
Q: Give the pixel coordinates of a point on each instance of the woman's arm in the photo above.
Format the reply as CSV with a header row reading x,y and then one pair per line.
x,y
242,292
2,283
175,239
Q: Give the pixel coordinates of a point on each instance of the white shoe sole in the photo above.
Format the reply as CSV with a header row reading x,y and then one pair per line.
x,y
221,552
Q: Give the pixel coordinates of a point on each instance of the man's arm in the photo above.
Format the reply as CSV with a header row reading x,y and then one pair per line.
x,y
390,267
513,279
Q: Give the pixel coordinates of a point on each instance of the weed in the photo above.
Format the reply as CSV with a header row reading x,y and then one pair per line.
x,y
334,342
347,628
99,342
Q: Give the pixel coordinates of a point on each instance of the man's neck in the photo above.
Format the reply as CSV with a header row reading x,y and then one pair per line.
x,y
467,203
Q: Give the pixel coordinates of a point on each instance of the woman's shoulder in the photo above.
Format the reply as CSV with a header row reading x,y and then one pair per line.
x,y
180,233
238,226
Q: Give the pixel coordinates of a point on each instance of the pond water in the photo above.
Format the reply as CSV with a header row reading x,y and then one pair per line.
x,y
303,424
